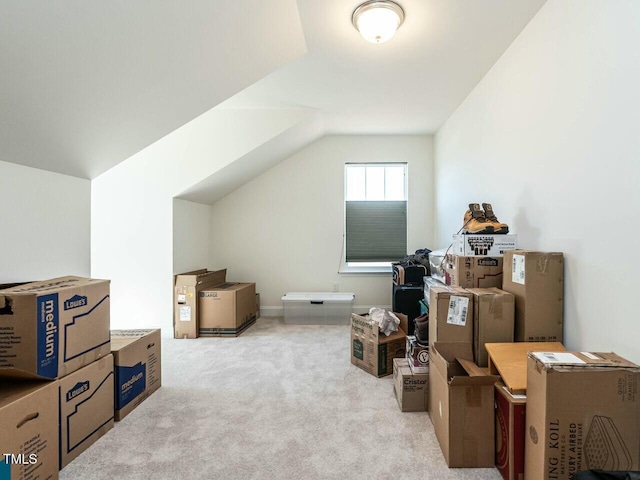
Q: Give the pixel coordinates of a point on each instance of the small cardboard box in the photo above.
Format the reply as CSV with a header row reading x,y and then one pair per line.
x,y
583,413
536,280
493,322
510,425
49,329
450,315
137,366
29,430
473,272
371,350
187,286
86,407
227,310
411,389
483,245
461,406
509,360
417,355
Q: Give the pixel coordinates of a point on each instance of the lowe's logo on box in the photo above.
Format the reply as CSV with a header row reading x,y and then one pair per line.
x,y
75,302
78,389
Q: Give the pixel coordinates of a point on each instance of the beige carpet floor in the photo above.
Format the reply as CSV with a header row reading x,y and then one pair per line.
x,y
278,402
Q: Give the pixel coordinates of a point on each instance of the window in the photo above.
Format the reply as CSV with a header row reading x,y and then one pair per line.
x,y
375,216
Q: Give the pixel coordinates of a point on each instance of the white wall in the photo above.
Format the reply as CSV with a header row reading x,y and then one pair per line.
x,y
45,226
284,229
551,136
132,206
191,235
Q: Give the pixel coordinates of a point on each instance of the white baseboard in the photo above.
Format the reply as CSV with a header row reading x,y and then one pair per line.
x,y
271,311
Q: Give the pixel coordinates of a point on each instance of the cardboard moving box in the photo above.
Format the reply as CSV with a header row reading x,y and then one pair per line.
x,y
509,360
137,366
510,431
471,245
493,322
450,315
461,406
536,280
49,329
187,286
583,413
29,430
411,389
417,355
86,407
473,272
227,310
371,350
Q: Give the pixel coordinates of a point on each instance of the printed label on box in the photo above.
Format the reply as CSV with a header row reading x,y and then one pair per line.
x,y
517,269
182,298
558,357
185,314
458,307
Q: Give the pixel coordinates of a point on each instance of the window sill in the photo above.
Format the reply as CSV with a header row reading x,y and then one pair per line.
x,y
365,271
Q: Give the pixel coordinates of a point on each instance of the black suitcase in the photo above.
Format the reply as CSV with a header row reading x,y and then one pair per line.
x,y
409,274
406,299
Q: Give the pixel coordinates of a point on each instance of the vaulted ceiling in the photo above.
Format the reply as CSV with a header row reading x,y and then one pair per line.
x,y
86,84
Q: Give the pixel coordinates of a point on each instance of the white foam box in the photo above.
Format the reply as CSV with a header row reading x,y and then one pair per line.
x,y
318,308
483,245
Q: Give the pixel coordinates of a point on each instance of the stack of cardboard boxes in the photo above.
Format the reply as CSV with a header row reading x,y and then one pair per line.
x,y
57,377
556,412
206,305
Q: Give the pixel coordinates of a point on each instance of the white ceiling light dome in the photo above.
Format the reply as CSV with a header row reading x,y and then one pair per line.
x,y
378,20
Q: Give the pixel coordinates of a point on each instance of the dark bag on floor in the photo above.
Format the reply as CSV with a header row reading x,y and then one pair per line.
x,y
602,475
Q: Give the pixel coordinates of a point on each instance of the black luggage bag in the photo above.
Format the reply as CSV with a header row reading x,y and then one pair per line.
x,y
406,299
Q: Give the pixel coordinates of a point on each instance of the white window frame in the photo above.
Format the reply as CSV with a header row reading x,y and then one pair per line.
x,y
349,268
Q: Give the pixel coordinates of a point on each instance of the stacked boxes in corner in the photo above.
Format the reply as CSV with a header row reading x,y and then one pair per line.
x,y
137,366
187,287
371,350
59,330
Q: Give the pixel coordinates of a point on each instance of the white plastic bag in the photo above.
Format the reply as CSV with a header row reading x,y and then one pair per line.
x,y
386,320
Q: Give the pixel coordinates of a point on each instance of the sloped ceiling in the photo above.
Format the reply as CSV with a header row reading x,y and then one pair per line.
x,y
85,84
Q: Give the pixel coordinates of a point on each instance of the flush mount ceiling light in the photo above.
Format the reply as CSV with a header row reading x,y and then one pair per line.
x,y
377,20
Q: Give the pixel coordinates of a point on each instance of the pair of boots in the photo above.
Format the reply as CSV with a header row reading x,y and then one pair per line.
x,y
477,220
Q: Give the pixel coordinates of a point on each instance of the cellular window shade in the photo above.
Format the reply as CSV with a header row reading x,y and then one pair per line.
x,y
376,231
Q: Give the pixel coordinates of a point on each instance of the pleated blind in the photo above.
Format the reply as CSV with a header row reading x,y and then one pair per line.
x,y
376,231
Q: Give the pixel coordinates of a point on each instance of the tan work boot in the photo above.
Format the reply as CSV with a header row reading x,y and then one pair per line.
x,y
498,227
474,221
